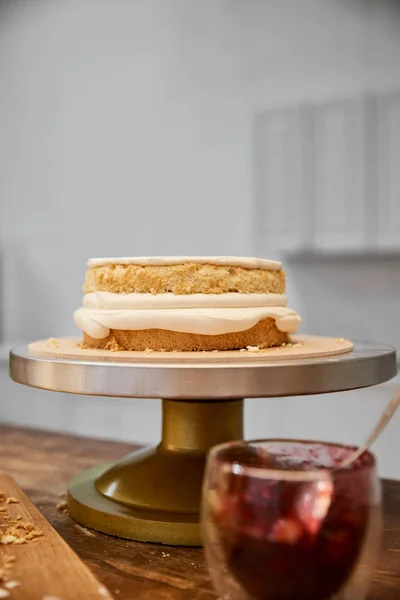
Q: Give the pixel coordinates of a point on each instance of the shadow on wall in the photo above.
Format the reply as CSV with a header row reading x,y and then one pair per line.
x,y
349,297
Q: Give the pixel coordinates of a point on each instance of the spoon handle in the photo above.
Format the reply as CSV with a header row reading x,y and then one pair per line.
x,y
379,427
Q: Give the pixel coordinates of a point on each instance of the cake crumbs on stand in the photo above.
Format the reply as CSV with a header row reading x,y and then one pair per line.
x,y
53,342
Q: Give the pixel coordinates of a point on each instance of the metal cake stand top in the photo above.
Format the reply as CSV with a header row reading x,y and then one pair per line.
x,y
367,365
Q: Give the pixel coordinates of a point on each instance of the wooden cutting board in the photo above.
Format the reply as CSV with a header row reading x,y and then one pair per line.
x,y
43,566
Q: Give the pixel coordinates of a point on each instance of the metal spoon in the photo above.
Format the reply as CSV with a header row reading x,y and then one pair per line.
x,y
380,426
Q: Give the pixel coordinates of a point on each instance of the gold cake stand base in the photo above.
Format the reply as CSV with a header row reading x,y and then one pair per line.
x,y
153,495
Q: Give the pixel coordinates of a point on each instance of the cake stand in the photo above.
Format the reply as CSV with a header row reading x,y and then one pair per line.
x,y
154,493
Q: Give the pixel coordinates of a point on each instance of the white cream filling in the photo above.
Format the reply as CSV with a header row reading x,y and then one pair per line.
x,y
97,322
233,261
112,301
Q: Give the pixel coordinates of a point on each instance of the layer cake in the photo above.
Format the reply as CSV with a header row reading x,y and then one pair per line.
x,y
184,304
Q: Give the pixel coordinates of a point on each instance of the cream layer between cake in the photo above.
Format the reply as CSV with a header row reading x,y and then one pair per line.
x,y
96,320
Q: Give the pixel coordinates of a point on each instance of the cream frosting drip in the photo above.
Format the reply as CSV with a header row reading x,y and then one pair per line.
x,y
233,261
207,321
112,301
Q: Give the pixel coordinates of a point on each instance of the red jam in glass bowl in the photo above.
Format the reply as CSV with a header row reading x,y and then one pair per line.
x,y
283,522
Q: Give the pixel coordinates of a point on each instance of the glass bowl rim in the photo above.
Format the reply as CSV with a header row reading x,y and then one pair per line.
x,y
294,475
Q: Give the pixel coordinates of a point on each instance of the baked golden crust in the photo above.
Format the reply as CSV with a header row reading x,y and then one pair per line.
x,y
188,278
263,335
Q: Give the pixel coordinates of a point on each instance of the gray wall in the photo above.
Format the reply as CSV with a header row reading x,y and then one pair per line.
x,y
126,129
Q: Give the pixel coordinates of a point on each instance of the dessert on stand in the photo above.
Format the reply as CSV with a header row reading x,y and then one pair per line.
x,y
185,304
202,334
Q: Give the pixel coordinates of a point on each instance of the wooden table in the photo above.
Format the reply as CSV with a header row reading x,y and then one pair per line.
x,y
44,462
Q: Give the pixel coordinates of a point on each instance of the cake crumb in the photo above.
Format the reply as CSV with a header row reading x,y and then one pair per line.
x,y
10,585
214,350
53,343
113,346
8,539
340,340
62,506
148,351
62,495
9,558
34,534
4,593
19,533
297,345
28,527
243,350
164,554
253,348
12,500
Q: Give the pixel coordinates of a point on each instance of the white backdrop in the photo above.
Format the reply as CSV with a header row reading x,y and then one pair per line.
x,y
126,128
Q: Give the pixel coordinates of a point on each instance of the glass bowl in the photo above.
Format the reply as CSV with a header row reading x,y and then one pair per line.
x,y
281,521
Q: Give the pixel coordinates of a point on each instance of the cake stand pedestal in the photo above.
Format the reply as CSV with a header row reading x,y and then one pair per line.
x,y
154,494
